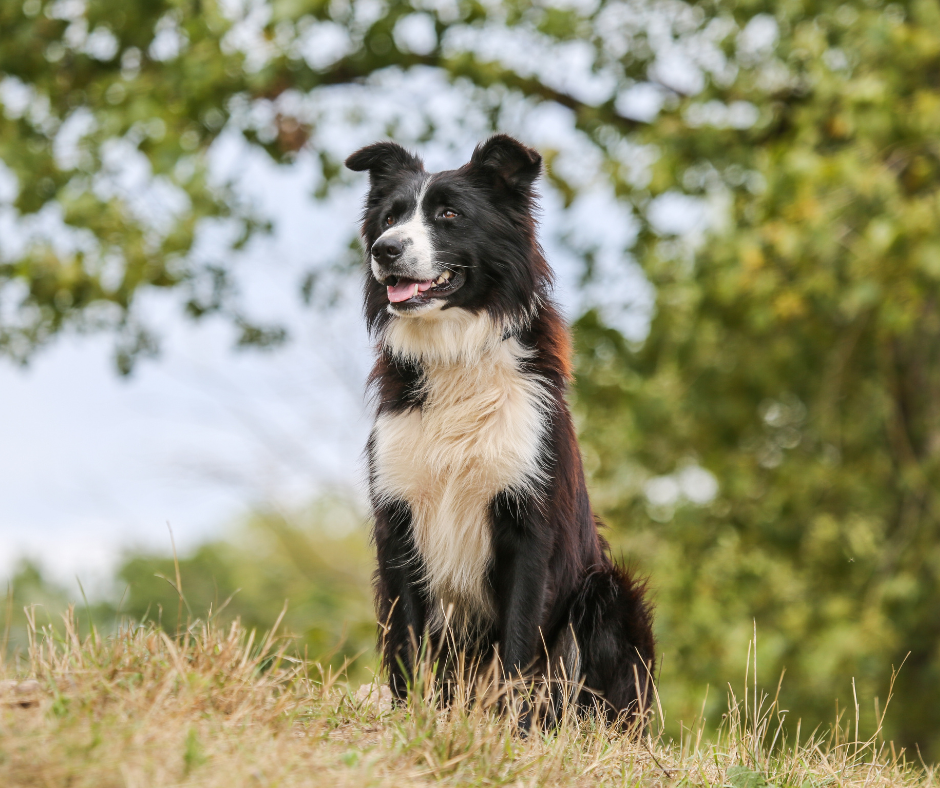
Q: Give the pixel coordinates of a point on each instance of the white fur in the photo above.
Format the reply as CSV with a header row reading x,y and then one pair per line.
x,y
481,431
448,337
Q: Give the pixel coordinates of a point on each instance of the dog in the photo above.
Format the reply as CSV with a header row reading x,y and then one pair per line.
x,y
484,533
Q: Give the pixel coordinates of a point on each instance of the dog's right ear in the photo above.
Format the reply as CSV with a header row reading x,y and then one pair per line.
x,y
384,160
508,161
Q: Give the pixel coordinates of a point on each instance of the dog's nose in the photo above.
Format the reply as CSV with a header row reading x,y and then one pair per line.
x,y
387,250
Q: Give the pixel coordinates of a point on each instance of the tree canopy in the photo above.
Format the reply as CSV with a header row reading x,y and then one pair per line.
x,y
794,355
110,108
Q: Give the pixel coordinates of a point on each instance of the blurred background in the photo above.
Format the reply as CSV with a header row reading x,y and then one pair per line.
x,y
742,205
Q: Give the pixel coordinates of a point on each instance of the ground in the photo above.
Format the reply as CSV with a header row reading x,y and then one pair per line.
x,y
223,707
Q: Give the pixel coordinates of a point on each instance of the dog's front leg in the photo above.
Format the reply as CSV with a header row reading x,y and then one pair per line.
x,y
400,600
520,572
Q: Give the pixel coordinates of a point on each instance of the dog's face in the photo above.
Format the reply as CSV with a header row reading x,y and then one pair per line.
x,y
461,238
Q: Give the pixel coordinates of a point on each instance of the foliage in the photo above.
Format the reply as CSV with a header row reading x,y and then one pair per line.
x,y
112,108
218,707
30,592
794,355
309,569
89,91
316,562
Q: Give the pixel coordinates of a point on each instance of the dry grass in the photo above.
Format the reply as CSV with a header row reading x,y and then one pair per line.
x,y
216,707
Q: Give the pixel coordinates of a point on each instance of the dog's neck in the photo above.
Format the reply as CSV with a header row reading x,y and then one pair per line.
x,y
452,337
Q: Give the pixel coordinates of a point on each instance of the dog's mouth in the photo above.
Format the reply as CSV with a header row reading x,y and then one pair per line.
x,y
405,292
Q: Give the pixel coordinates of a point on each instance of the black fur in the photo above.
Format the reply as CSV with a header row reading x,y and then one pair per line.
x,y
551,573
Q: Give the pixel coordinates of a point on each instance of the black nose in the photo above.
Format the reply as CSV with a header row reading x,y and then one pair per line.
x,y
386,250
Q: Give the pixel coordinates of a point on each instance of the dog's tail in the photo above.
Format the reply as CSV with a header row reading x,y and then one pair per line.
x,y
612,625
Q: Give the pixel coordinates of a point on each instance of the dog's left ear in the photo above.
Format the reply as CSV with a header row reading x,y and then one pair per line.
x,y
508,160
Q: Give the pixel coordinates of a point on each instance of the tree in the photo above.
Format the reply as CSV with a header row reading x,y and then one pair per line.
x,y
92,88
794,355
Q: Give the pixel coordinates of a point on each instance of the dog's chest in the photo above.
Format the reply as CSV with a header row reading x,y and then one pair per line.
x,y
479,432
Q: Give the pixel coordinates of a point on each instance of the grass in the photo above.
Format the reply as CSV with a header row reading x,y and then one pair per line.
x,y
219,706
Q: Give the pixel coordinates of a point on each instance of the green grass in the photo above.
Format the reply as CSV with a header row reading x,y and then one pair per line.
x,y
221,706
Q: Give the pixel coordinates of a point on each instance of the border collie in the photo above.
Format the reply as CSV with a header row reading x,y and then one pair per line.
x,y
485,537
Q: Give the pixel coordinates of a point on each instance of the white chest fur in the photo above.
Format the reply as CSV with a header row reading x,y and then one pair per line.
x,y
479,432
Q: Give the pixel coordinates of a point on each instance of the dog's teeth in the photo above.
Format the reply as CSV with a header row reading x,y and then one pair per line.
x,y
416,291
440,280
446,275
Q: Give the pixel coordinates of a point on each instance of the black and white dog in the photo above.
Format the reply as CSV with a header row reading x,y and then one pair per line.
x,y
482,519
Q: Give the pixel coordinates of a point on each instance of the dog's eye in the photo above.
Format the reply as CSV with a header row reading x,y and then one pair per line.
x,y
389,220
447,213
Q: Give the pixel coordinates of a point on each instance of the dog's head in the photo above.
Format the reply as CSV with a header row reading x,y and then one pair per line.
x,y
461,238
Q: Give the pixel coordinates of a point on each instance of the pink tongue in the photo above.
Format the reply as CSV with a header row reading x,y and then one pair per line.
x,y
405,290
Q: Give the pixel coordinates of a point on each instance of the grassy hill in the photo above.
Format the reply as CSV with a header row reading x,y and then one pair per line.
x,y
222,706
